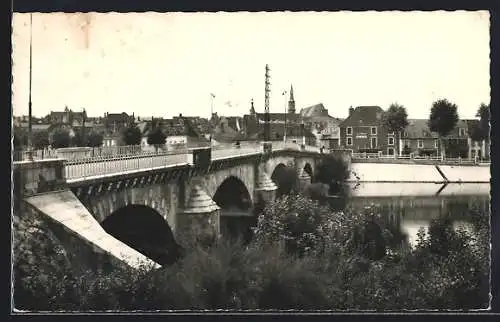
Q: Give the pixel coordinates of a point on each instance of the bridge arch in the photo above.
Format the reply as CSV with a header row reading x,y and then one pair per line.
x,y
235,201
285,177
144,229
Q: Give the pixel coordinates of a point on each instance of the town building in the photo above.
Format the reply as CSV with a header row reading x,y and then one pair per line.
x,y
117,122
363,131
419,140
180,131
68,117
227,129
324,127
284,127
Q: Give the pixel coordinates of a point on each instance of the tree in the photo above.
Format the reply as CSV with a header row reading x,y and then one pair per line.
x,y
396,119
78,139
94,139
443,119
332,171
484,122
132,135
41,139
20,137
156,138
61,139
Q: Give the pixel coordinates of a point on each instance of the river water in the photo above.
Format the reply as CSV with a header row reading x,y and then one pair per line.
x,y
407,207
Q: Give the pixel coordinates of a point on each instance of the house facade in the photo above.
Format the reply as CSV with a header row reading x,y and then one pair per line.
x,y
363,131
419,140
325,128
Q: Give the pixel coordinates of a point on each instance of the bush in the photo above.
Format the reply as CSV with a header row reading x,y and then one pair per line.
x,y
61,139
332,171
304,256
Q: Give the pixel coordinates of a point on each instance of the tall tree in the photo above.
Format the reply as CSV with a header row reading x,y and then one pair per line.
x,y
443,119
156,137
61,139
132,135
484,120
20,137
396,120
41,139
94,139
78,139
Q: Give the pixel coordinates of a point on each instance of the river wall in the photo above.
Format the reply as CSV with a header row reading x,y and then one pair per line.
x,y
418,173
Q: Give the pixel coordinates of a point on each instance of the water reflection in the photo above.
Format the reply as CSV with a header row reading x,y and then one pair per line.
x,y
408,207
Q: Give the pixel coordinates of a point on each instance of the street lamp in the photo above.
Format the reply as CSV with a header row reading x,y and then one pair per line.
x,y
284,133
212,96
30,133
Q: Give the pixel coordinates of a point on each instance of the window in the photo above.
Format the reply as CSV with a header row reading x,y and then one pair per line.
x,y
349,130
405,134
436,144
420,144
461,132
373,143
390,133
349,141
374,130
390,140
390,151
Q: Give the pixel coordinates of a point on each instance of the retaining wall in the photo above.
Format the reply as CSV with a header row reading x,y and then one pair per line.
x,y
418,173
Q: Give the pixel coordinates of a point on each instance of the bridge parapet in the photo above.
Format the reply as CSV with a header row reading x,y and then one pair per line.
x,y
33,177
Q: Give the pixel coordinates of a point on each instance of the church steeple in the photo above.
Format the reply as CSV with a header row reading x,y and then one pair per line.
x,y
252,109
291,102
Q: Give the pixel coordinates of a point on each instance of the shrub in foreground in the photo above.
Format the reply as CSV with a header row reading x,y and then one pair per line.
x,y
303,256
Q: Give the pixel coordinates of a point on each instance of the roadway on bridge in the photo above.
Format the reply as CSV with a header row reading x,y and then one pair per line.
x,y
99,168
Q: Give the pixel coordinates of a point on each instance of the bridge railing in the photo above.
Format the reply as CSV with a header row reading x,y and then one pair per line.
x,y
416,158
102,166
113,164
23,155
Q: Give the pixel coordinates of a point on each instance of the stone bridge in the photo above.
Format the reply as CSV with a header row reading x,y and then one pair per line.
x,y
203,196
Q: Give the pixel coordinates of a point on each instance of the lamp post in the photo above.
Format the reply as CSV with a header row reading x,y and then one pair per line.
x,y
30,132
284,133
212,96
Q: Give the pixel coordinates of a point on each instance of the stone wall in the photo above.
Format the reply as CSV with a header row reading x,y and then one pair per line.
x,y
32,177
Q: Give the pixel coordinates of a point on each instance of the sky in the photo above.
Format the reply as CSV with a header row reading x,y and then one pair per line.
x,y
165,64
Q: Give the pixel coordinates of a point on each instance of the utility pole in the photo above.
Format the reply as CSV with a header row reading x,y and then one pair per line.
x,y
284,133
30,132
267,125
212,128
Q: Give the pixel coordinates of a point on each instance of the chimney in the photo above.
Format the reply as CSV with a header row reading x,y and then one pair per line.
x,y
351,110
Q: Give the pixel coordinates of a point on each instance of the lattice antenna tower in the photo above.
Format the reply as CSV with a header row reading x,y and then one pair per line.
x,y
267,90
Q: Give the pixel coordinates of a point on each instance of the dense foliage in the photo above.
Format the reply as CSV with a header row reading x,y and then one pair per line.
x,y
396,119
132,135
442,119
303,256
156,138
94,139
41,139
332,171
481,131
61,139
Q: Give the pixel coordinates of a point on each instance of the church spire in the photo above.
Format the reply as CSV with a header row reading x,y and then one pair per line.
x,y
291,102
252,109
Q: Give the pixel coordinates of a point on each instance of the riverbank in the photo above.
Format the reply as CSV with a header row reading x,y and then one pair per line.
x,y
417,173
